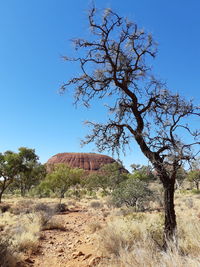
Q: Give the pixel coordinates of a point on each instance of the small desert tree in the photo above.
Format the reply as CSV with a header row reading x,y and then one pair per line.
x,y
10,166
32,172
115,63
194,173
133,193
108,177
142,172
61,178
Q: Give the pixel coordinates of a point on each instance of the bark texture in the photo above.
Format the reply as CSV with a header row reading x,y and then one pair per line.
x,y
170,216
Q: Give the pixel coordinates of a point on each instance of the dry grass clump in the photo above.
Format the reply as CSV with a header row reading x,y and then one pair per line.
x,y
22,206
96,204
22,231
137,241
124,232
61,207
94,227
4,207
55,223
22,227
188,221
7,256
46,215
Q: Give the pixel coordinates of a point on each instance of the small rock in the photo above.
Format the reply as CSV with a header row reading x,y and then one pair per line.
x,y
80,253
87,256
94,261
28,260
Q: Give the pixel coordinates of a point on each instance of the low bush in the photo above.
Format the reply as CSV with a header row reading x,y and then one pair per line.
x,y
61,207
195,191
136,240
132,193
55,223
4,207
22,206
94,226
96,204
45,213
7,255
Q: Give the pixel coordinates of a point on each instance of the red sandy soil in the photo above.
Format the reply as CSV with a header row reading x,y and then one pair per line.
x,y
74,247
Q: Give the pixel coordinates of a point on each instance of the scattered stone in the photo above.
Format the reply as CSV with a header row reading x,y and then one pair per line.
x,y
80,253
94,261
28,260
87,256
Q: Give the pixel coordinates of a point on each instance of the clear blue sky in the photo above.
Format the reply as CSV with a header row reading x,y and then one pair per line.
x,y
33,36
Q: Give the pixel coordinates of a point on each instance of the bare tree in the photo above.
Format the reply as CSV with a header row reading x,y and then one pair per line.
x,y
116,64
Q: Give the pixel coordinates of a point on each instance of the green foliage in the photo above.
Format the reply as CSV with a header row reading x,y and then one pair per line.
x,y
194,176
10,166
31,171
180,177
132,192
142,172
107,178
20,171
61,179
195,191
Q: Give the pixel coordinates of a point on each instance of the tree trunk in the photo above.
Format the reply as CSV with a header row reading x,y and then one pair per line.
x,y
1,193
197,185
170,226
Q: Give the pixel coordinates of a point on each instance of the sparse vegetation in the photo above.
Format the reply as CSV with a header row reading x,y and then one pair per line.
x,y
8,257
133,192
96,204
136,240
107,178
60,179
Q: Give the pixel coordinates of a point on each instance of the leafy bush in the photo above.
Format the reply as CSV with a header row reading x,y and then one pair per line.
x,y
195,191
61,179
107,179
132,192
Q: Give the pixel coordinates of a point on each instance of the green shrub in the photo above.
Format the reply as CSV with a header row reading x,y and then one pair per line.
x,y
195,191
132,192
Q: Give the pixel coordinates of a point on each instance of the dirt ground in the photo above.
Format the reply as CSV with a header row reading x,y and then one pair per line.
x,y
74,247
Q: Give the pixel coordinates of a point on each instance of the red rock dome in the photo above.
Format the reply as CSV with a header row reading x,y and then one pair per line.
x,y
85,161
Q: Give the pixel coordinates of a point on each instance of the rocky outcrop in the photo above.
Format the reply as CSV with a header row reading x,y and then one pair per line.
x,y
85,161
